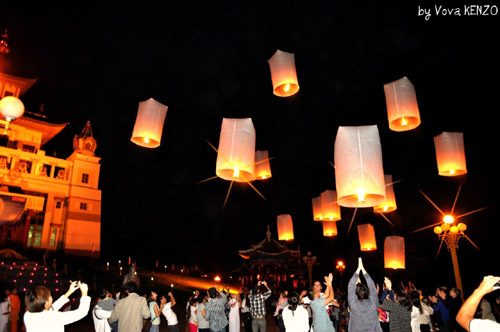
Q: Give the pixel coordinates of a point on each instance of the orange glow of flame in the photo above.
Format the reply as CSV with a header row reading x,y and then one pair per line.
x,y
404,122
448,219
146,139
236,172
287,87
217,278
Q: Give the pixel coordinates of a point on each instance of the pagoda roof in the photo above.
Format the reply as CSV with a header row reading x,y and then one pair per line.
x,y
48,130
269,250
23,83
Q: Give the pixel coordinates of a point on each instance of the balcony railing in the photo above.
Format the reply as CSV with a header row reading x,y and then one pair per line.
x,y
38,166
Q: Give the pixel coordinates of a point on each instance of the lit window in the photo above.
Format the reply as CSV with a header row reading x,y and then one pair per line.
x,y
85,178
83,206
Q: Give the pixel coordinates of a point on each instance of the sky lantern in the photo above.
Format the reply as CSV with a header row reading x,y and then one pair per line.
x,y
316,205
285,227
283,74
450,154
236,153
367,240
149,123
394,252
359,173
262,168
329,227
389,204
330,209
402,108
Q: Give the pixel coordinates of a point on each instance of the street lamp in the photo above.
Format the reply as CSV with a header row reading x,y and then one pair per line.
x,y
340,267
310,261
450,233
11,108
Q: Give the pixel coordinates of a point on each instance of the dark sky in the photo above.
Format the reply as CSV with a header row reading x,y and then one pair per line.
x,y
207,60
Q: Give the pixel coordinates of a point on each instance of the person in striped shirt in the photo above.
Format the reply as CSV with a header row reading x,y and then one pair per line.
x,y
215,310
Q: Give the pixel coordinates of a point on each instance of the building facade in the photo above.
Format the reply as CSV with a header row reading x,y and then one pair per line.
x,y
47,203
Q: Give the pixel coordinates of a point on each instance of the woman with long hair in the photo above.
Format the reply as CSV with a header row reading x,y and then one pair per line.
x,y
246,316
192,313
295,316
321,320
43,314
424,312
155,311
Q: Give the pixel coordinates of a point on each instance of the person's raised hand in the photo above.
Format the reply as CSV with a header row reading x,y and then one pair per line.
x,y
84,288
488,285
388,283
73,287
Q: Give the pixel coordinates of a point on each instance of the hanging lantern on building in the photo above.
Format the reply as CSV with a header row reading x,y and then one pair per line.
x,y
450,154
262,168
389,204
329,227
236,153
330,209
316,204
359,173
149,123
394,252
283,74
285,227
367,240
402,108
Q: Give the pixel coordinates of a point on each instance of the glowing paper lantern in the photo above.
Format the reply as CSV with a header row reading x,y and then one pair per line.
x,y
330,209
330,228
389,204
359,173
402,108
367,240
394,252
11,108
262,169
283,74
450,154
316,203
285,227
236,153
149,123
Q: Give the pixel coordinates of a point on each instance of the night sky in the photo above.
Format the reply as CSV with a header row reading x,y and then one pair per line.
x,y
207,60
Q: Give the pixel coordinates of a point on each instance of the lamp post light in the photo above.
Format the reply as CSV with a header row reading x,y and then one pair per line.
x,y
451,234
11,108
310,261
341,267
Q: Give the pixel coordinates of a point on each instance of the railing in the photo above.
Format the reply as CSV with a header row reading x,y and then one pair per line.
x,y
38,166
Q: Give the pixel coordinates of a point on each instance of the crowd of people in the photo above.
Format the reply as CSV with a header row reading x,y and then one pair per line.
x,y
364,307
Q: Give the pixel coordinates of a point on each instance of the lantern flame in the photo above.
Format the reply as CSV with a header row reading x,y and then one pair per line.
x,y
146,140
286,88
361,196
404,122
236,172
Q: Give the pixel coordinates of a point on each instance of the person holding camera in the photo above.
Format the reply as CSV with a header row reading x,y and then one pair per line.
x,y
465,316
258,306
43,315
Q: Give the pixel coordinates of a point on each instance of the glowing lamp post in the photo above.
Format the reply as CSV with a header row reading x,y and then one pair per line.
x,y
450,154
285,227
149,123
340,267
367,240
402,108
236,153
394,252
309,261
11,108
450,233
359,173
283,74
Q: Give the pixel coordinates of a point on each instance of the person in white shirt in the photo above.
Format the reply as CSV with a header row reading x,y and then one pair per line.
x,y
295,316
465,316
44,316
4,313
169,314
